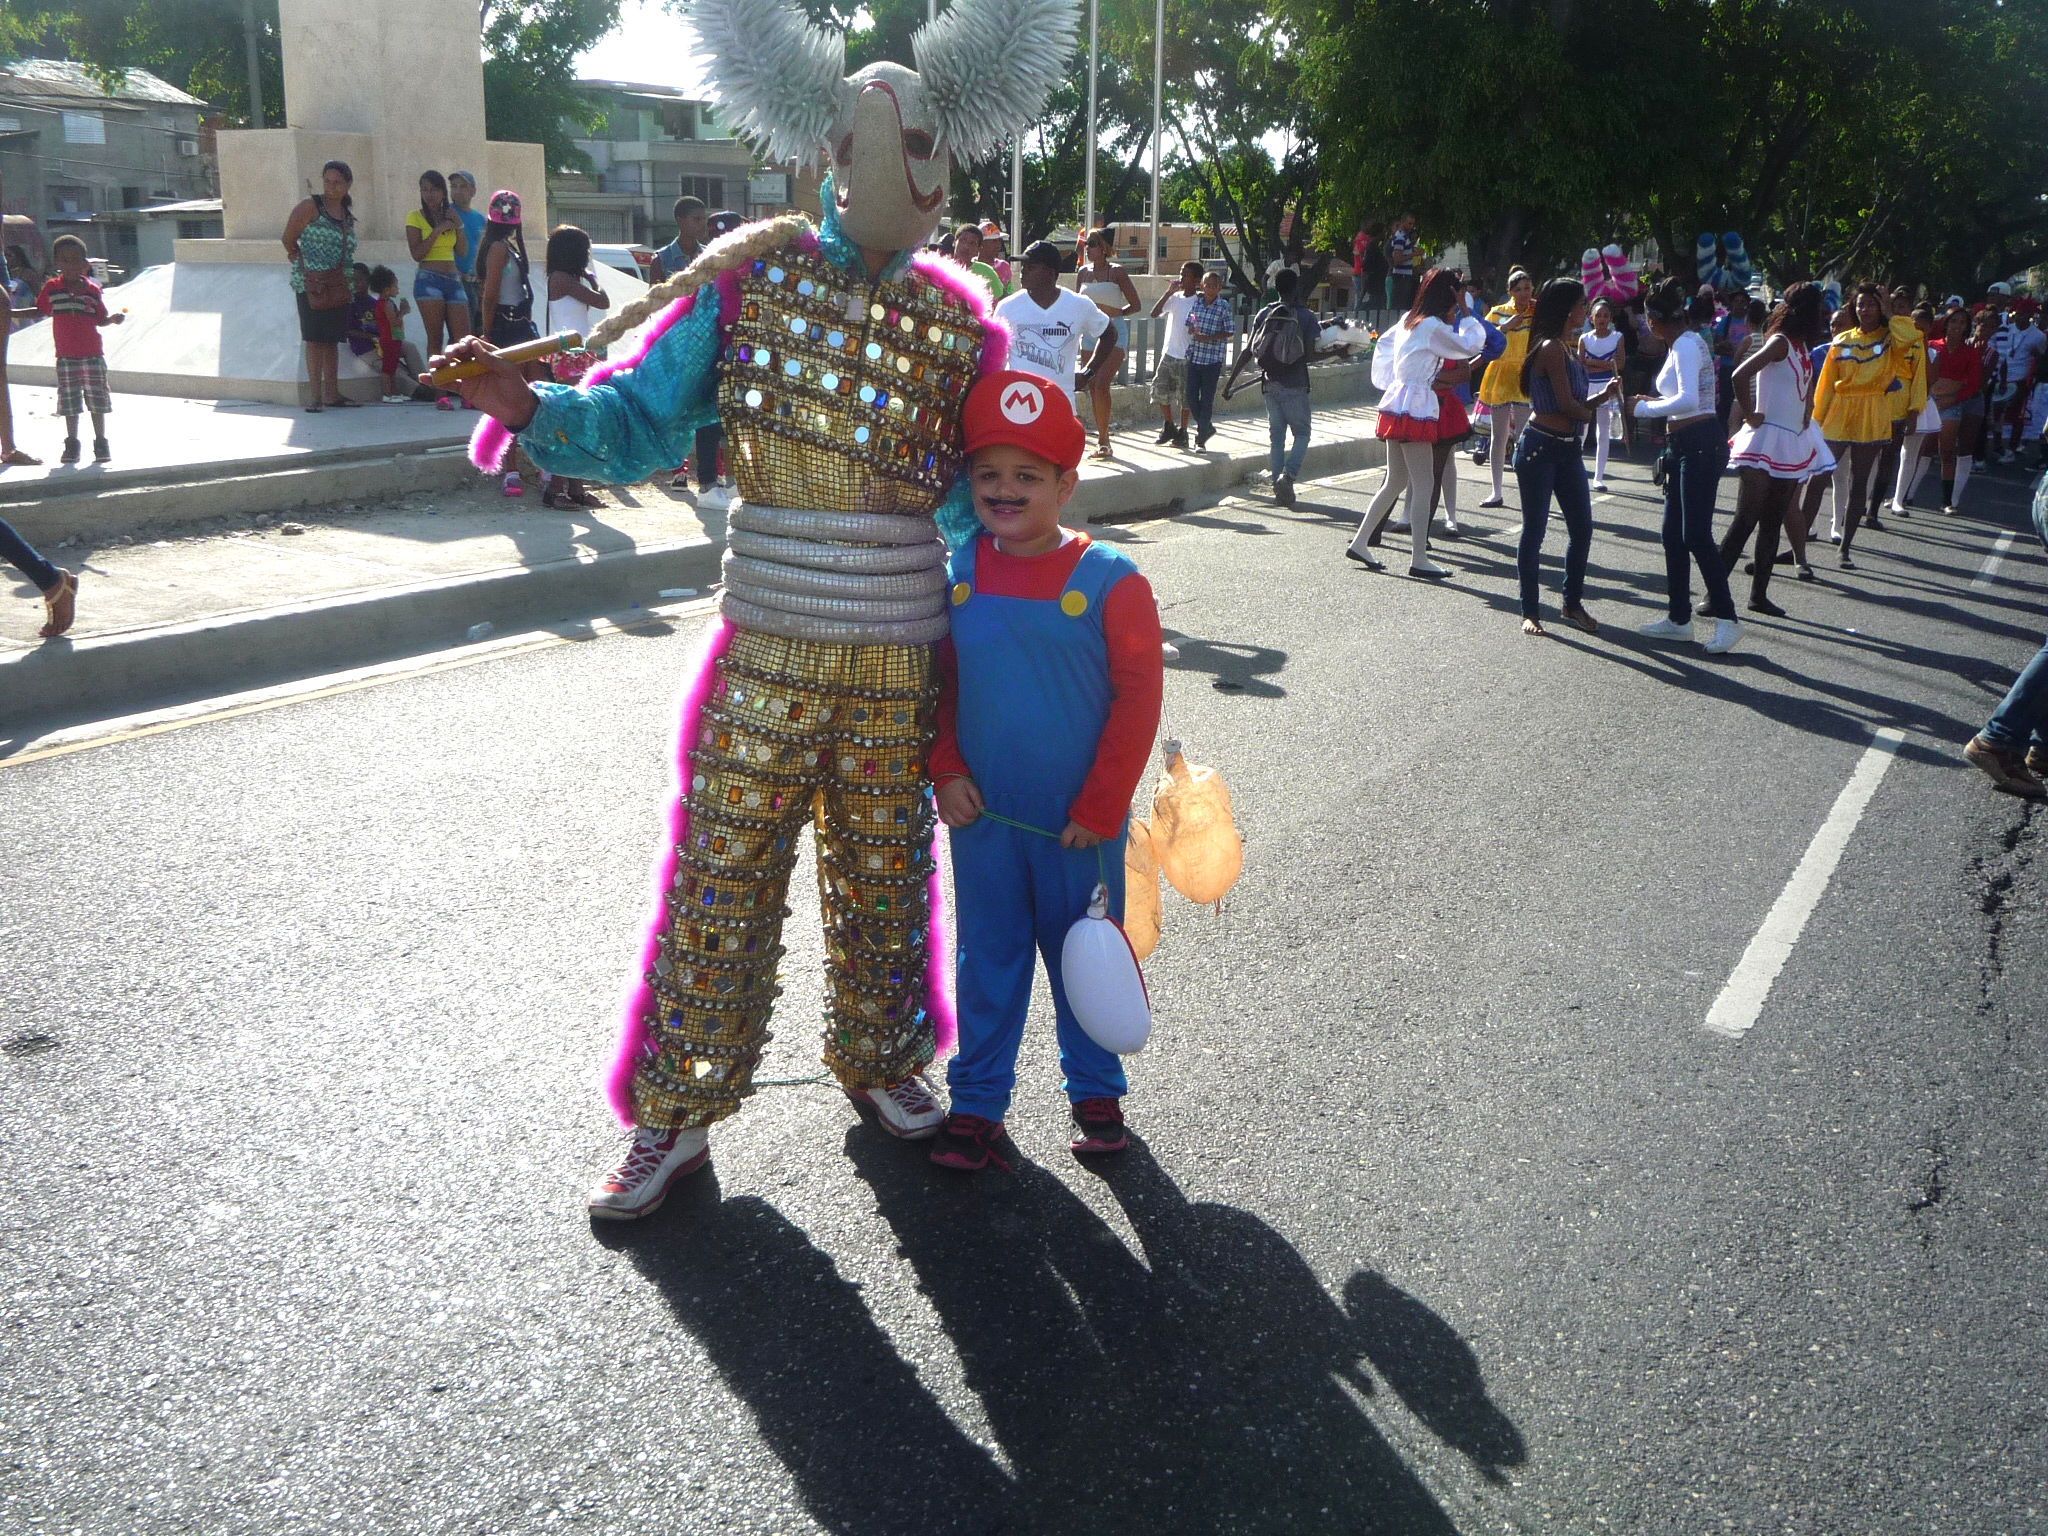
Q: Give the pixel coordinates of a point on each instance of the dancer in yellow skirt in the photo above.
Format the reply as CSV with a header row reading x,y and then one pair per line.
x,y
1853,401
1501,390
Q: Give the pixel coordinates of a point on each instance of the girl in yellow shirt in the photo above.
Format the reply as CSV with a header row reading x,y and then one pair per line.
x,y
1853,405
1501,389
434,235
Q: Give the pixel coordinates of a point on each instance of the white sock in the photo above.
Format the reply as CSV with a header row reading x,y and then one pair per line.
x,y
1909,460
1963,466
1838,492
1451,489
1496,458
1602,435
1926,462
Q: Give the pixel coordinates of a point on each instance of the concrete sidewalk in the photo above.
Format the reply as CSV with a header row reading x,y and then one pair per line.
x,y
241,602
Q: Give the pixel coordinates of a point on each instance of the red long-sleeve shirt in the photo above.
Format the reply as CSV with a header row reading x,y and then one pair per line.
x,y
1137,678
76,315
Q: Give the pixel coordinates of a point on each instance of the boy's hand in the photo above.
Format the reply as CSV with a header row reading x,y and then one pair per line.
x,y
960,803
1078,836
117,319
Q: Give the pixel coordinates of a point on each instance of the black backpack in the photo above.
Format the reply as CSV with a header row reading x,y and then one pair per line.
x,y
1276,337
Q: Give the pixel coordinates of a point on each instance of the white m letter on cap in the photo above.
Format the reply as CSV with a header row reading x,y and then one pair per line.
x,y
1023,403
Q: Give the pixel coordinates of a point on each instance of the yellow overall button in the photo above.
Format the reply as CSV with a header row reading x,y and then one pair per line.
x,y
1074,604
961,592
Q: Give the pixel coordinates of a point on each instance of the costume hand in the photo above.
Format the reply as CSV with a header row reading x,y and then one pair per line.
x,y
1078,836
959,802
501,392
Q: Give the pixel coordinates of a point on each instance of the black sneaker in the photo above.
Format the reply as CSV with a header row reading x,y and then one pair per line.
x,y
1202,437
1283,490
70,453
1873,524
100,451
1180,437
1098,1127
968,1143
1165,436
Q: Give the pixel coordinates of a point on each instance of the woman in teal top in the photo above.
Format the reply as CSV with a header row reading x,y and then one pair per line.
x,y
320,238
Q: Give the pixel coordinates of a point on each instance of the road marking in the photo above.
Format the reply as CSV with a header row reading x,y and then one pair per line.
x,y
1742,999
1982,581
104,733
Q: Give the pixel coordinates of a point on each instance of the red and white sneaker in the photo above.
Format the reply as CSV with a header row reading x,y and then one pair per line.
x,y
1098,1127
906,1109
657,1159
968,1143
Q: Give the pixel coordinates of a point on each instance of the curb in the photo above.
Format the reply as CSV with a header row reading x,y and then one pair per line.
x,y
66,683
109,675
128,507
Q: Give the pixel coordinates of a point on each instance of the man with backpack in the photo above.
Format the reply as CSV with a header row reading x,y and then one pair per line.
x,y
1283,343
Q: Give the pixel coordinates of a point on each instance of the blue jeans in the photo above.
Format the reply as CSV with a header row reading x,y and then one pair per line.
x,y
17,552
2023,713
1287,411
1699,456
1202,379
445,286
1547,465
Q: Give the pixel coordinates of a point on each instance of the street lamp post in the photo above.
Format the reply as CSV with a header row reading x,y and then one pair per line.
x,y
1158,75
1094,15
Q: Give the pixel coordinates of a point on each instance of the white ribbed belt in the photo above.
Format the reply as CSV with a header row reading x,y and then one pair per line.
x,y
848,578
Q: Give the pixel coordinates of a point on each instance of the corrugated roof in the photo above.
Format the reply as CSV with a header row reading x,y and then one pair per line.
x,y
62,77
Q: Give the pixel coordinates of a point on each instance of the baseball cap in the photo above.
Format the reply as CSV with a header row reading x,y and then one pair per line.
x,y
468,176
1044,252
723,222
1022,410
2004,289
504,207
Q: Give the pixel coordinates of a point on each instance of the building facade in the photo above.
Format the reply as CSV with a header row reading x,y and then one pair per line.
x,y
71,154
656,144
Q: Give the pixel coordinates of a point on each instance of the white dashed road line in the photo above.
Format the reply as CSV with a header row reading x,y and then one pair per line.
x,y
1982,581
1742,999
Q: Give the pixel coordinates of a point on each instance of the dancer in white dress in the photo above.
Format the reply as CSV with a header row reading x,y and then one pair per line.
x,y
1778,447
1600,352
1416,411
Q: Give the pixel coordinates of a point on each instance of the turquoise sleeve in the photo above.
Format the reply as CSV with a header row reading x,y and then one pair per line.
x,y
957,522
642,419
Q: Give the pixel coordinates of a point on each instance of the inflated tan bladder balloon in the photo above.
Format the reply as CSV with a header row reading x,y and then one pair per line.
x,y
1194,836
1141,890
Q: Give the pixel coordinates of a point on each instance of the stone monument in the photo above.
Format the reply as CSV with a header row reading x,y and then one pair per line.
x,y
393,87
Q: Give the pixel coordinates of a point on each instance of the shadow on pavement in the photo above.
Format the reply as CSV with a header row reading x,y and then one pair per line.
x,y
1235,668
1211,1385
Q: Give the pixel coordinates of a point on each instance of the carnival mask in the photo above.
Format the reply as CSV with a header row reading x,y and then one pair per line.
x,y
888,134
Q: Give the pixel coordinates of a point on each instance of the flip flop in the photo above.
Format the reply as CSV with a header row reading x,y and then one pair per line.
x,y
62,607
15,457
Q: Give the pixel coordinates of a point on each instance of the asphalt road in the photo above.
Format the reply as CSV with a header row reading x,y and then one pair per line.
x,y
1448,1214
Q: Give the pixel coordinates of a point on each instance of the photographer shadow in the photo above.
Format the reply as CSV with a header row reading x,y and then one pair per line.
x,y
1207,1384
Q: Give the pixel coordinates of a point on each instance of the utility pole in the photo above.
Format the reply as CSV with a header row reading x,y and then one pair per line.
x,y
1094,16
1158,76
252,40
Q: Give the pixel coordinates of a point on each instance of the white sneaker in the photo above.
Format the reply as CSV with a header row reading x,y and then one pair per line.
x,y
1664,629
1727,635
717,499
905,1109
657,1159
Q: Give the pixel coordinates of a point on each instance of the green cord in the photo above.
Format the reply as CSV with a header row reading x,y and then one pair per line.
x,y
1101,868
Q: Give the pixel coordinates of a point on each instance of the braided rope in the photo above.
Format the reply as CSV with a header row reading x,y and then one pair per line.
x,y
734,250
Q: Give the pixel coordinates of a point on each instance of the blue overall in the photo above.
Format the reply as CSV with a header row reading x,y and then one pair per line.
x,y
1034,697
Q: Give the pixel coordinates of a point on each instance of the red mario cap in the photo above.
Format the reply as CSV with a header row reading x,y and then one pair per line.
x,y
1025,411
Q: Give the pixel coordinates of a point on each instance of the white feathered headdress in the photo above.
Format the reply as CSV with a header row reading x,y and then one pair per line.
x,y
984,71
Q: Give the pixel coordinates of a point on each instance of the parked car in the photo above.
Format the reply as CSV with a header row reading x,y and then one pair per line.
x,y
633,260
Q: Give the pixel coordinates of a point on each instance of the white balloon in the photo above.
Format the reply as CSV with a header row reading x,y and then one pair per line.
x,y
1104,986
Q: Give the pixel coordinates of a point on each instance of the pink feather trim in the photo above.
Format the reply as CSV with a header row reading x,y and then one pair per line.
x,y
637,1017
951,278
938,965
489,445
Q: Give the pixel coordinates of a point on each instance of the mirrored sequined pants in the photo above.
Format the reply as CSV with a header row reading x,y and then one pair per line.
x,y
794,731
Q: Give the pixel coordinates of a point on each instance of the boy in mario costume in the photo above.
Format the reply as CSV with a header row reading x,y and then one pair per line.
x,y
1049,699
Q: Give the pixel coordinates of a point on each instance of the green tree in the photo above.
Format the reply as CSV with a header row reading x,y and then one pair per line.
x,y
530,51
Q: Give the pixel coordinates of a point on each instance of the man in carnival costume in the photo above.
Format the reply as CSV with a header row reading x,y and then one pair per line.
x,y
839,362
